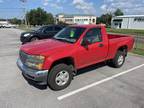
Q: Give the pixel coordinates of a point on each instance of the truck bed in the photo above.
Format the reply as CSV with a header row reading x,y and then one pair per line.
x,y
114,36
117,40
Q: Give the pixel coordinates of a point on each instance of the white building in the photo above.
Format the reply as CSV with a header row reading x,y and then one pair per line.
x,y
128,22
76,19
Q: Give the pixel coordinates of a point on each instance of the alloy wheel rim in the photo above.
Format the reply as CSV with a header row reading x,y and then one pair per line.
x,y
62,78
120,60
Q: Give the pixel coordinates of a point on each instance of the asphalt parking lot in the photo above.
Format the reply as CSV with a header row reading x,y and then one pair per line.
x,y
98,86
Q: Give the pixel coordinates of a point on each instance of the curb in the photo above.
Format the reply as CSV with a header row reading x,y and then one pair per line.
x,y
130,53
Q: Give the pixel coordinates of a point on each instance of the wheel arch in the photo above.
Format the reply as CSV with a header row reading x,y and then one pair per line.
x,y
66,60
34,36
123,48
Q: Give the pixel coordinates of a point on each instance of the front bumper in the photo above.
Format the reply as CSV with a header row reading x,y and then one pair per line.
x,y
24,39
38,76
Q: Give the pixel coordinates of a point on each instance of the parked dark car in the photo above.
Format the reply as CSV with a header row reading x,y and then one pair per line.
x,y
43,32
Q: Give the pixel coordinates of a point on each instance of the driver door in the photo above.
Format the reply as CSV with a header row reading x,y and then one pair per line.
x,y
95,50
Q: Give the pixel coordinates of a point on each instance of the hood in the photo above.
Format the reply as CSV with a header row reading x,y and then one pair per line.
x,y
31,32
43,47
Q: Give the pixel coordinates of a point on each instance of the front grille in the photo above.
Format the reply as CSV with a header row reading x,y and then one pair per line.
x,y
23,56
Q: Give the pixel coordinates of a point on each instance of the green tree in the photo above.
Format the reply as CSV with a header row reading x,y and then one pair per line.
x,y
39,17
105,19
15,21
118,12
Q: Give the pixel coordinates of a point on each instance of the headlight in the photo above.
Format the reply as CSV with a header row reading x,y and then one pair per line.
x,y
35,62
27,34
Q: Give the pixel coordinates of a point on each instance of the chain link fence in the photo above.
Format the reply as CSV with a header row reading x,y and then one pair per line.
x,y
139,42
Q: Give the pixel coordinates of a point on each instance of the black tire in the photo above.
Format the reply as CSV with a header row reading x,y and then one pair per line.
x,y
54,72
34,39
115,61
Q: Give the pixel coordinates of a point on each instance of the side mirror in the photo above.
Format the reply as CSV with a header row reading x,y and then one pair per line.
x,y
85,42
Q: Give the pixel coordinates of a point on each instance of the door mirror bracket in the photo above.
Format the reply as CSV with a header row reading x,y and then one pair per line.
x,y
85,43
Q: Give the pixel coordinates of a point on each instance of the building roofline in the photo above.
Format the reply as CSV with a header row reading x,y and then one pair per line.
x,y
127,16
72,15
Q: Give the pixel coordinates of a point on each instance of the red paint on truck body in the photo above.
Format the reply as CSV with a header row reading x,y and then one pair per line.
x,y
54,50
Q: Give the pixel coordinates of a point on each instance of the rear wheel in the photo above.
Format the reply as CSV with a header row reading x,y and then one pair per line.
x,y
118,60
60,77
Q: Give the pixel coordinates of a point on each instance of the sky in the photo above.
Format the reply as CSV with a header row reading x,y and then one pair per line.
x,y
14,8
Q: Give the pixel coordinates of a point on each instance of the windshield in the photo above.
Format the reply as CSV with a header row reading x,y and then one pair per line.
x,y
40,29
69,34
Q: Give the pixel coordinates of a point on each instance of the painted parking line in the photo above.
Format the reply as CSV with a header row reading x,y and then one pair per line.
x,y
97,83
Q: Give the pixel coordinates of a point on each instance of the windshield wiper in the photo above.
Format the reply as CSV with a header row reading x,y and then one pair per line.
x,y
63,39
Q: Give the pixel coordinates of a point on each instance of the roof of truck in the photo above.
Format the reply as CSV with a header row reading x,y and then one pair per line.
x,y
90,25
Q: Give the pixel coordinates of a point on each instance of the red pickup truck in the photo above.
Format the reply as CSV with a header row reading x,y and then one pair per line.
x,y
55,61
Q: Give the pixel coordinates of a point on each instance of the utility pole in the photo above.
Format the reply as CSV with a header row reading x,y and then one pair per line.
x,y
24,11
25,18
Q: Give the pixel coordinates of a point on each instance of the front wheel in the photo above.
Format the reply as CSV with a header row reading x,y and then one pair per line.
x,y
34,39
60,77
118,60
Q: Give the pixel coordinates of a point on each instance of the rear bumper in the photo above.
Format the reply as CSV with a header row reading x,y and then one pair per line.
x,y
37,76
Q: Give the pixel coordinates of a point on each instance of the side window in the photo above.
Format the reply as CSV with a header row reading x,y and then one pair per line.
x,y
48,29
94,35
57,28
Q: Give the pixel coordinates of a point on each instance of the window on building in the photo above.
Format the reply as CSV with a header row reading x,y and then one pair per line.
x,y
118,20
70,20
139,19
93,20
115,24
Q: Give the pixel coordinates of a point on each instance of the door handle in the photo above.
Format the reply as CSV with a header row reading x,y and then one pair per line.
x,y
101,45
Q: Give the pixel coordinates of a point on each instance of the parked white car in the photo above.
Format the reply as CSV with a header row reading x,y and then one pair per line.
x,y
9,26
